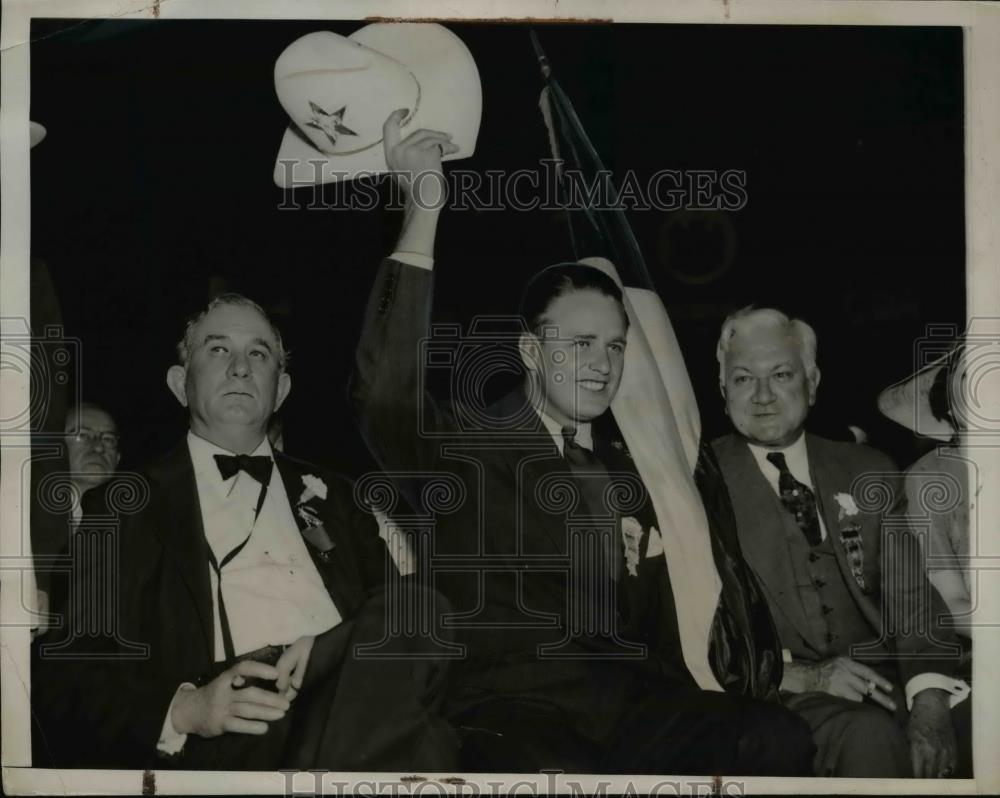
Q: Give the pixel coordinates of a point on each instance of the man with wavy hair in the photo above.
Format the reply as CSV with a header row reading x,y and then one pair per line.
x,y
842,575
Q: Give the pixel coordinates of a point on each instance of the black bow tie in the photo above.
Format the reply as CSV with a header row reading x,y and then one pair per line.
x,y
257,467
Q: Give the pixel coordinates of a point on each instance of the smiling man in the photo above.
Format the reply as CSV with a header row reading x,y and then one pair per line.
x,y
250,577
876,693
551,553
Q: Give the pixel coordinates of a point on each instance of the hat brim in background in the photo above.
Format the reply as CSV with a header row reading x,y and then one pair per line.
x,y
451,101
908,402
36,133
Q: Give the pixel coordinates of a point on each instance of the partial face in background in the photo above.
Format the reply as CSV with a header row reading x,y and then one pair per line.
x,y
767,390
93,448
579,369
233,379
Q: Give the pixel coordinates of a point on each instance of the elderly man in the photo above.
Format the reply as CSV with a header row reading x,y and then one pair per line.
x,y
248,577
574,654
92,447
92,456
845,590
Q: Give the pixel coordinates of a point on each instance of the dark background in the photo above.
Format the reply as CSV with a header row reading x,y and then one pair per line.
x,y
153,191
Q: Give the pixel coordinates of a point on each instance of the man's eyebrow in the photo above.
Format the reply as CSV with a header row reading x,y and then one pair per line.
x,y
263,342
215,337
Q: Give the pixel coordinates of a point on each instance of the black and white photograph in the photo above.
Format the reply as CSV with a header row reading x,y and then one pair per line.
x,y
440,404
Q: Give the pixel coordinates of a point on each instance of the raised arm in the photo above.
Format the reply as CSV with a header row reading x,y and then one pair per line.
x,y
385,386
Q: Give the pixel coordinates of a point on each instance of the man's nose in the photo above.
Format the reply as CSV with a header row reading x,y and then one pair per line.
x,y
600,362
239,366
762,393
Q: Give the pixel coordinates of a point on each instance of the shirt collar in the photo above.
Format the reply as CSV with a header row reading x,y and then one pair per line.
x,y
203,459
796,456
584,434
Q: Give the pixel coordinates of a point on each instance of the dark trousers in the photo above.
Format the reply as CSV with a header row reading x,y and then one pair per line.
x,y
593,717
353,713
863,740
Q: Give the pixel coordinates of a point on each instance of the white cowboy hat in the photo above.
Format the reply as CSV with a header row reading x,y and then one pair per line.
x,y
974,379
338,92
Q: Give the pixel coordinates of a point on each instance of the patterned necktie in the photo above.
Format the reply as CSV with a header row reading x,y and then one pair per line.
x,y
259,468
594,482
798,499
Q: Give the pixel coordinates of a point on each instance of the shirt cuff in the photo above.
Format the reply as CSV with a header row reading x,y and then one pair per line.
x,y
171,741
958,688
786,655
414,259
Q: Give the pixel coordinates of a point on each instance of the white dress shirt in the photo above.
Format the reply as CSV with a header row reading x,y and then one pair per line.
x,y
797,459
272,590
584,435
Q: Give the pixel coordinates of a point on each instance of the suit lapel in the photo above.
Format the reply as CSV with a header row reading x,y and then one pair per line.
x,y
325,543
757,510
830,478
179,527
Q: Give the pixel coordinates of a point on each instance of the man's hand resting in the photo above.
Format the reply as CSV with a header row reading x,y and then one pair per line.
x,y
221,706
292,666
840,676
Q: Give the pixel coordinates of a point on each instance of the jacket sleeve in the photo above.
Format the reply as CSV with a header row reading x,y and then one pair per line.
x,y
397,419
100,699
913,608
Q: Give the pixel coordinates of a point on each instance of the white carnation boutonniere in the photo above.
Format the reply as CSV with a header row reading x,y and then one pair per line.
x,y
315,488
846,503
631,537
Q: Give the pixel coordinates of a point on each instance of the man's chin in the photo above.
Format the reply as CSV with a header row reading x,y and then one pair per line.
x,y
589,410
769,436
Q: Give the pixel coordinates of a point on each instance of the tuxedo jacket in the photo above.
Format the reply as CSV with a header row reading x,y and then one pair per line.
x,y
505,467
913,641
111,697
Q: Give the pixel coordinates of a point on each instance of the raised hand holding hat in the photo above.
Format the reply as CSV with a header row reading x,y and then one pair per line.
x,y
338,92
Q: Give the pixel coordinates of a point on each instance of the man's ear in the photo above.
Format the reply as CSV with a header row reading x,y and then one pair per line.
x,y
813,384
528,348
284,387
176,380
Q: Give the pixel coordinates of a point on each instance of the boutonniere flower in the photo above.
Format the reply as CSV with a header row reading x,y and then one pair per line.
x,y
631,537
847,505
314,487
850,537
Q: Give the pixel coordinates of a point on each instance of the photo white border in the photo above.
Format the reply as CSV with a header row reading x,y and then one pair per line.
x,y
981,23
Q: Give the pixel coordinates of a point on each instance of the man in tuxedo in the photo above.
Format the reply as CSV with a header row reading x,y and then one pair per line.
x,y
551,556
245,579
867,665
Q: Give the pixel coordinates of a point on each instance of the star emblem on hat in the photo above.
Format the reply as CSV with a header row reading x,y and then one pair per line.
x,y
330,123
